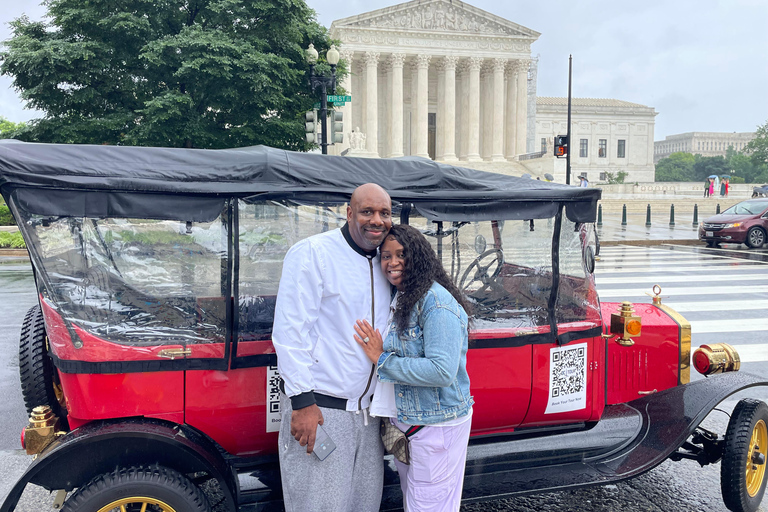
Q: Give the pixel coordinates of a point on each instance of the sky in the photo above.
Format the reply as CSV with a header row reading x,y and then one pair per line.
x,y
703,65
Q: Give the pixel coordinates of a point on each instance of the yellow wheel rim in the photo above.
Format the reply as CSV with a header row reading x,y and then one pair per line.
x,y
758,450
137,504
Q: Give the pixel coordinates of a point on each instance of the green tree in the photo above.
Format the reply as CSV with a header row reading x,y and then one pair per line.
x,y
705,166
8,128
676,167
757,148
184,73
614,178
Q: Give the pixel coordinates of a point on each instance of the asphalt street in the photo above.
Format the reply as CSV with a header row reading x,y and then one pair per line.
x,y
723,292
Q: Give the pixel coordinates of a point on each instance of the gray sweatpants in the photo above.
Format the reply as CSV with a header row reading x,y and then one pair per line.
x,y
350,479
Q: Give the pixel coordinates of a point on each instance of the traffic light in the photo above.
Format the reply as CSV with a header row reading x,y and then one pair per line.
x,y
561,145
311,126
337,127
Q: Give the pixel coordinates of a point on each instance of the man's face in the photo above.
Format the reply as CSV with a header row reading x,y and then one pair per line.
x,y
369,215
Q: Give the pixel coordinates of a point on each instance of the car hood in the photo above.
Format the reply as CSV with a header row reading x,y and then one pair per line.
x,y
723,218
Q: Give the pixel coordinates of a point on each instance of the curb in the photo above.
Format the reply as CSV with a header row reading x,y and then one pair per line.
x,y
14,252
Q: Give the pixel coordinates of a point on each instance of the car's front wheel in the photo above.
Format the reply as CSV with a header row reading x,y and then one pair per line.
x,y
742,471
755,237
712,243
138,489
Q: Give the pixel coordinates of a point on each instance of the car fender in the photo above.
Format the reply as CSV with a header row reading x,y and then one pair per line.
x,y
98,447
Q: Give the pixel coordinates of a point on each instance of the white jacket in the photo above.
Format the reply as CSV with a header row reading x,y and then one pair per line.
x,y
325,287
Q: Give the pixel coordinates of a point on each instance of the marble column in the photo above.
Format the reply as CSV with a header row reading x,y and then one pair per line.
x,y
486,115
440,118
347,56
473,114
497,150
522,106
510,133
463,101
420,124
446,129
396,61
372,102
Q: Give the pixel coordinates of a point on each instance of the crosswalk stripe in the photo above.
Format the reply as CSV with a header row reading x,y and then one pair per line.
x,y
708,263
686,290
673,278
715,305
752,353
721,325
626,269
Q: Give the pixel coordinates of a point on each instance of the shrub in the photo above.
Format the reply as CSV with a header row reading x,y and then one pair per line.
x,y
12,240
6,219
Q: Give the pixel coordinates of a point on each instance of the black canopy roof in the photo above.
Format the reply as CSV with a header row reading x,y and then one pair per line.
x,y
104,180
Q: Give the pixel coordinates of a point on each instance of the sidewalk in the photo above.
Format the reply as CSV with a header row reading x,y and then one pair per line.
x,y
636,232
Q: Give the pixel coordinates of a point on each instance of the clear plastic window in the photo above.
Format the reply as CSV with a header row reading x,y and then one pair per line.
x,y
135,281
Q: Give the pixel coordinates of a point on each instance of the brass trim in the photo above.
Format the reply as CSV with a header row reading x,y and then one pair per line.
x,y
684,364
173,353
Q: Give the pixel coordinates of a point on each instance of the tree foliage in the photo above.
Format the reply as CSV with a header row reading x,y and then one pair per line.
x,y
183,73
757,148
8,129
676,167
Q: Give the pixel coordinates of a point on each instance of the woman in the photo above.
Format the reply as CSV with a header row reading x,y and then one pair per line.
x,y
421,366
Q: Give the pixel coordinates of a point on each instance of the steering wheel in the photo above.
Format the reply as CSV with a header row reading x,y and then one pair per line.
x,y
481,266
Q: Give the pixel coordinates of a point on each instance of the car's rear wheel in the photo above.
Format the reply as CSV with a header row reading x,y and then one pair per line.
x,y
755,237
742,471
39,379
138,489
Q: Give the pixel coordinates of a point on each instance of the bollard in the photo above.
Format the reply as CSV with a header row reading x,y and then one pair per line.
x,y
672,215
624,216
599,215
695,215
717,212
648,216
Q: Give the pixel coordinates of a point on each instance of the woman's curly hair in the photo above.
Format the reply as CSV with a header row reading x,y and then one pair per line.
x,y
422,268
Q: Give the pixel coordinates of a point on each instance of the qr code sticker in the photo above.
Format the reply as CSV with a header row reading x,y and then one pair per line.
x,y
273,399
567,378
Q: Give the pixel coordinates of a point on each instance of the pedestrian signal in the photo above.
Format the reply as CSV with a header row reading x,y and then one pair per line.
x,y
310,126
561,146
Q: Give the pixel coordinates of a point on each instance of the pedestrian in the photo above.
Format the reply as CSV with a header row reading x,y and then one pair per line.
x,y
711,188
727,186
583,181
421,365
329,281
706,187
723,187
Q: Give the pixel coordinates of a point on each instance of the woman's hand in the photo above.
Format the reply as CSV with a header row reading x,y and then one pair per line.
x,y
369,339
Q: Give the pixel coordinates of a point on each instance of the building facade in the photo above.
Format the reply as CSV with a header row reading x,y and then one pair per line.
x,y
439,79
607,136
701,143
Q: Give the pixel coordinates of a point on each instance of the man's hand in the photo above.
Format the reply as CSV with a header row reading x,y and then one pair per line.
x,y
304,424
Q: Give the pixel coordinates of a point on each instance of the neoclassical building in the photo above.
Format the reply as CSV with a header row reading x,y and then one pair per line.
x,y
702,143
439,79
607,136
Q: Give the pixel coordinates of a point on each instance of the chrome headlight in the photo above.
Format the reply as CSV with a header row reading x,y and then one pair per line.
x,y
732,225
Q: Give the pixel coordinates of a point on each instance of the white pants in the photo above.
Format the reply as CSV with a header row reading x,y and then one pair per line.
x,y
434,480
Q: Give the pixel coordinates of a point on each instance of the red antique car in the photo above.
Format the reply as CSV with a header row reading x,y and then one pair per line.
x,y
147,367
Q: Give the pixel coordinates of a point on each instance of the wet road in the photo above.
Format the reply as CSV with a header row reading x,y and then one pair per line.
x,y
701,282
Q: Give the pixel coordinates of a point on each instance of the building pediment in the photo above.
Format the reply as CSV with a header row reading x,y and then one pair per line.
x,y
439,16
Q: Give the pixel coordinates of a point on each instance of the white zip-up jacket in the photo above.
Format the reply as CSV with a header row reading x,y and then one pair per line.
x,y
328,283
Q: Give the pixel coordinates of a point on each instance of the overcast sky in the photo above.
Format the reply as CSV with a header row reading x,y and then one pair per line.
x,y
703,65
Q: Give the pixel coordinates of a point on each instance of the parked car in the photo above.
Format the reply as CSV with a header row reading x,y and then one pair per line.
x,y
761,191
745,222
147,366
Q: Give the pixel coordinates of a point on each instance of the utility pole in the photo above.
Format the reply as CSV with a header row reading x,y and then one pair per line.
x,y
568,133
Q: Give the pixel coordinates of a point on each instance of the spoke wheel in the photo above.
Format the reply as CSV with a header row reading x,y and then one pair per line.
x,y
138,489
139,504
39,378
742,471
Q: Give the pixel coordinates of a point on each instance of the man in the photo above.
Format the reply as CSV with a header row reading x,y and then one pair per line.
x,y
329,281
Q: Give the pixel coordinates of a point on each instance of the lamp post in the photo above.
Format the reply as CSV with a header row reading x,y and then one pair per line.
x,y
324,83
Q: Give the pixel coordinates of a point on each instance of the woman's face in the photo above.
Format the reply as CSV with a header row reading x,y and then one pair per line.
x,y
393,262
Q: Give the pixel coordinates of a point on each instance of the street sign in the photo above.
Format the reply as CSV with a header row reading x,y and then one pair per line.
x,y
333,98
316,106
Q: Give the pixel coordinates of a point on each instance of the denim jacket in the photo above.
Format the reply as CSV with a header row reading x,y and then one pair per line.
x,y
428,363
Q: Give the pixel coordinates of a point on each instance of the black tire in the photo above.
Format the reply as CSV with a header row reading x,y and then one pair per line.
x,y
39,380
755,238
712,243
135,486
743,469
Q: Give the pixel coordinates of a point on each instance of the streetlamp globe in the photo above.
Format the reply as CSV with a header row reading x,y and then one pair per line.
x,y
332,56
312,54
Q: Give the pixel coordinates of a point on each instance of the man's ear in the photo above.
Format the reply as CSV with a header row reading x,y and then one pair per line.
x,y
349,213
